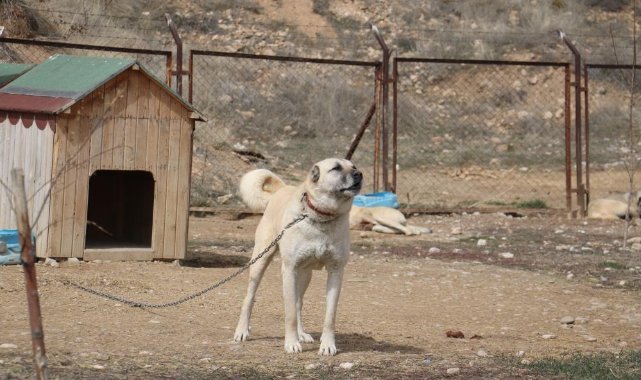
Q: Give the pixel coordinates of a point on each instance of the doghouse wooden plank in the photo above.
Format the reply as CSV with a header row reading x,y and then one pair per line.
x,y
130,121
44,186
184,169
119,254
120,109
152,128
58,186
142,122
160,201
172,180
5,210
109,109
96,123
82,175
70,172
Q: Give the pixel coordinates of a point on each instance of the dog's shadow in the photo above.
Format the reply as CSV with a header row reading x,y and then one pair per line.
x,y
358,343
214,260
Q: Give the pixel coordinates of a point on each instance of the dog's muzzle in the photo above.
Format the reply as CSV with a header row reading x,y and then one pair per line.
x,y
357,182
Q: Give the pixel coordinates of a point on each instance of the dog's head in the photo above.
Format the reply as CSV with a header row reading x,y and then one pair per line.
x,y
334,179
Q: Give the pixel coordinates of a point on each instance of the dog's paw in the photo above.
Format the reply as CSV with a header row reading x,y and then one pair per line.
x,y
328,345
241,335
327,349
293,347
305,337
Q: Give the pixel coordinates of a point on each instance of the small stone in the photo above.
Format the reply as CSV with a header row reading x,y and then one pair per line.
x,y
347,365
506,255
427,361
434,250
311,366
456,231
98,366
520,354
622,283
581,320
590,339
73,261
457,251
548,336
50,261
481,353
570,276
154,321
453,371
9,346
481,243
568,320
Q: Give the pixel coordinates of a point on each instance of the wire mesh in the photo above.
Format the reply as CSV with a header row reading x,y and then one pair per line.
x,y
614,134
278,114
477,135
35,52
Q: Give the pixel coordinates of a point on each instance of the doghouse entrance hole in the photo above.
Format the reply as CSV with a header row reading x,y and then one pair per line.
x,y
120,210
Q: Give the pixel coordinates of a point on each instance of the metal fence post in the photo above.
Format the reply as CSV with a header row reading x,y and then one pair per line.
x,y
383,105
179,54
580,187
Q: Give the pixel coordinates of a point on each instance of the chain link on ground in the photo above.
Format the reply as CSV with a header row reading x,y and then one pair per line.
x,y
184,299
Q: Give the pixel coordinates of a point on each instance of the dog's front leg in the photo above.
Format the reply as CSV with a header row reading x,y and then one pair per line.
x,y
304,277
328,340
290,287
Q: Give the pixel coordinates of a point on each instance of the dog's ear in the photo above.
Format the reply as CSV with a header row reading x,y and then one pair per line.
x,y
315,174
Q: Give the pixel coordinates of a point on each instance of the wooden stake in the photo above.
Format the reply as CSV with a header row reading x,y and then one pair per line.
x,y
28,264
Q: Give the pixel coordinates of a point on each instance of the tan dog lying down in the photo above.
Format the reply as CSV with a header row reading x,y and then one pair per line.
x,y
614,206
382,219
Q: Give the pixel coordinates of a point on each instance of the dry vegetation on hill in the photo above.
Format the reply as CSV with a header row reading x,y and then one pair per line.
x,y
334,29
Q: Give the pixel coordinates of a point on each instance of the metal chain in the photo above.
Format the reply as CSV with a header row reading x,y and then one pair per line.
x,y
179,301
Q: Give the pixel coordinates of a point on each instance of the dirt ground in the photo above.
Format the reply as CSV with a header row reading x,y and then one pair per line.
x,y
505,281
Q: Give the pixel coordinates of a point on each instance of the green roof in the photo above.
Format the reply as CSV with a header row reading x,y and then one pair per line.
x,y
62,80
10,71
68,76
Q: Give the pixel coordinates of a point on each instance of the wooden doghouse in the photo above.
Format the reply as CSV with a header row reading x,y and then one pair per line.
x,y
106,151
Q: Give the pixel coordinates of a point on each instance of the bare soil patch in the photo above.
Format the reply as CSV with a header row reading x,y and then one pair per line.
x,y
400,296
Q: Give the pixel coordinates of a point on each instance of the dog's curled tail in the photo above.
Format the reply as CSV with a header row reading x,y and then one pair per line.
x,y
257,187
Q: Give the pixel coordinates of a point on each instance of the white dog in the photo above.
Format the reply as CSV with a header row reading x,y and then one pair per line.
x,y
320,240
386,220
614,206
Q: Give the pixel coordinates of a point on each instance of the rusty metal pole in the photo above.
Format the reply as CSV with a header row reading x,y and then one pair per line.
x,y
568,140
179,54
383,105
28,259
394,123
361,132
577,122
377,129
191,77
587,137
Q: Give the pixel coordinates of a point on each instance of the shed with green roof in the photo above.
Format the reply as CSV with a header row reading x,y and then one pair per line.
x,y
106,150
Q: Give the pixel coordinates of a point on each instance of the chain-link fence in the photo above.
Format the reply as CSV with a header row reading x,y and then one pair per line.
x,y
280,113
613,124
15,50
480,133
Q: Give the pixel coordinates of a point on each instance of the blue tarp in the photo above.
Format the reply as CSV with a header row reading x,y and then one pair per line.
x,y
12,241
380,199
